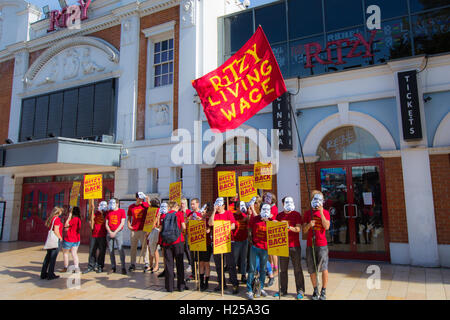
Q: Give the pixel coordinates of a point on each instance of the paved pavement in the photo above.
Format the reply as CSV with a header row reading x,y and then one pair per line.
x,y
20,265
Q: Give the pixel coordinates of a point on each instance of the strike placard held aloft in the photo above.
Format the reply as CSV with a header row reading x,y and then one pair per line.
x,y
263,175
226,183
93,186
150,219
246,188
243,85
175,192
74,193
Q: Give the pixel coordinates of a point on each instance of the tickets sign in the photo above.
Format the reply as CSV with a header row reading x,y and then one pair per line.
x,y
222,237
197,235
226,183
263,176
277,239
150,219
93,186
246,188
175,192
74,193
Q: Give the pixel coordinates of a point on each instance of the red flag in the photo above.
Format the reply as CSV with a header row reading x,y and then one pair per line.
x,y
243,85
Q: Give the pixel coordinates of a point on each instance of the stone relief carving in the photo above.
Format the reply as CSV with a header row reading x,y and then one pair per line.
x,y
88,65
71,64
162,115
187,13
51,77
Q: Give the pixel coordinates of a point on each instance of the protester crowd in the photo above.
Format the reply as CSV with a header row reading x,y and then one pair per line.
x,y
249,250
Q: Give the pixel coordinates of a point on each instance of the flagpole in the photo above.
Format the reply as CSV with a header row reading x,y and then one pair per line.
x,y
306,178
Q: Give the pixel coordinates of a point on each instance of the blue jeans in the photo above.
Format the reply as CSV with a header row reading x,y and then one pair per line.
x,y
269,266
239,249
262,256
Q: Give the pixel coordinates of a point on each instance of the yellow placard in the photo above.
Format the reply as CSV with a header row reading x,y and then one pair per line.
x,y
222,237
175,192
246,188
150,219
263,176
226,183
74,193
277,239
197,235
93,186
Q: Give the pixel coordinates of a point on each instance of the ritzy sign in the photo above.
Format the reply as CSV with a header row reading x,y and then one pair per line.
x,y
69,17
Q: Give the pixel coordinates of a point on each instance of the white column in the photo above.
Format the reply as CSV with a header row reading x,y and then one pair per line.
x,y
13,197
164,181
128,81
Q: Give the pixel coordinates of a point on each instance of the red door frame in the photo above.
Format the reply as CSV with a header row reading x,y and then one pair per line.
x,y
39,231
348,164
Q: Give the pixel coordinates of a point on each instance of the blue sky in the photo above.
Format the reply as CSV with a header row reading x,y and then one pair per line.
x,y
54,4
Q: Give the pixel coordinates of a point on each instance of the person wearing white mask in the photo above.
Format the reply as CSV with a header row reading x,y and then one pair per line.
x,y
294,221
115,220
98,239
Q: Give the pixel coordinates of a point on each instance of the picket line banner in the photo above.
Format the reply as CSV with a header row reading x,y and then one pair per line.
x,y
246,188
175,192
277,239
263,175
150,219
226,183
222,237
92,186
74,193
197,235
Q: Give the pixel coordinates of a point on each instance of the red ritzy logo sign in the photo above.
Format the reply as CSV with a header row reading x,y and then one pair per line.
x,y
69,17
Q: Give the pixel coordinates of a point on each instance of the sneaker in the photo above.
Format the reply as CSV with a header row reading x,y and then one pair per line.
x,y
132,268
99,270
323,295
124,271
88,270
249,295
299,296
264,293
270,283
277,294
315,295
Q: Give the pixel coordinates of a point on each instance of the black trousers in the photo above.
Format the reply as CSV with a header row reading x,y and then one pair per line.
x,y
171,253
48,266
228,261
295,255
188,254
94,259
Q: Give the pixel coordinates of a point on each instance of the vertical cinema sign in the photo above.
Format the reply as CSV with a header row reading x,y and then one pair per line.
x,y
409,105
282,121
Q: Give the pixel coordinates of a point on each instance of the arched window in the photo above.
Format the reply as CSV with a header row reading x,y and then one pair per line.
x,y
348,143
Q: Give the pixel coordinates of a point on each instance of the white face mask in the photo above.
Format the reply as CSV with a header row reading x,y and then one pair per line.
x,y
112,205
252,201
203,208
242,207
317,201
289,204
219,202
265,211
103,206
164,208
267,198
141,195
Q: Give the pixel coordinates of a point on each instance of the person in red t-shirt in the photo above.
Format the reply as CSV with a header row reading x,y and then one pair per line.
x,y
270,198
137,213
48,266
186,213
319,223
173,250
115,221
239,240
72,238
219,214
98,239
294,220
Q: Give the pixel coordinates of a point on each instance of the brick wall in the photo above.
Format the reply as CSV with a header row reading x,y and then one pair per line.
x,y
149,21
395,198
207,182
440,177
6,81
310,168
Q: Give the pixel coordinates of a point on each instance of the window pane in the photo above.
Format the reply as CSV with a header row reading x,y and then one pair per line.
x,y
341,14
165,68
170,55
238,29
281,54
27,121
273,21
158,70
165,80
157,58
170,78
157,81
305,18
164,45
171,67
432,31
389,8
171,44
164,56
158,47
298,57
419,5
40,120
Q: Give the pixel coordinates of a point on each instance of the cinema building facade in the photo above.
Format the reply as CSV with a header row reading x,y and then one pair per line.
x,y
106,98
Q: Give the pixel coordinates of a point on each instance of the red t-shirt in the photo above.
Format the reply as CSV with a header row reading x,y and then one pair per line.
x,y
57,222
180,220
259,232
137,214
293,219
115,218
319,230
241,231
73,232
274,212
99,230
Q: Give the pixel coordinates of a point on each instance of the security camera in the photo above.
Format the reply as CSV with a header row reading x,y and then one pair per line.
x,y
246,3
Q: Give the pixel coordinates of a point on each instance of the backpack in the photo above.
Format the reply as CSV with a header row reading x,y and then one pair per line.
x,y
170,231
